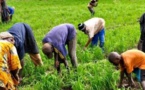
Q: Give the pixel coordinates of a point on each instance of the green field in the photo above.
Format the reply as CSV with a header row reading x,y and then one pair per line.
x,y
122,33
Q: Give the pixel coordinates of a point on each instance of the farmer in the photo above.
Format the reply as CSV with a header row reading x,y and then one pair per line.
x,y
11,12
130,61
94,28
91,5
9,66
5,11
24,42
54,43
141,44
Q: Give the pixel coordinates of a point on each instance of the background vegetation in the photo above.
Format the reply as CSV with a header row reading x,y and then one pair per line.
x,y
94,71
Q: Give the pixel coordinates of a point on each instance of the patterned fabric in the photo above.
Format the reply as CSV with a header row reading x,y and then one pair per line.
x,y
9,61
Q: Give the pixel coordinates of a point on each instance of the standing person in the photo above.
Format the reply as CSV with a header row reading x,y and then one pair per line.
x,y
91,5
6,12
24,42
54,43
10,66
129,61
94,28
141,44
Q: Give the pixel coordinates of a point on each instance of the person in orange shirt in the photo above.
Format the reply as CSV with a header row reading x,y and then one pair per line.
x,y
9,66
129,61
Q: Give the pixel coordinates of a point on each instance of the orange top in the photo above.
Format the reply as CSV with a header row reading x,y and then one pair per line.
x,y
133,59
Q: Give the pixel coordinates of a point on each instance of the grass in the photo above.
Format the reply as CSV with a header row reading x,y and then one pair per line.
x,y
122,33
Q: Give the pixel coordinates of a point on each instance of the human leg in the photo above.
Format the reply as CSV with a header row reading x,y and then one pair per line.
x,y
72,51
143,79
91,10
95,39
20,72
102,39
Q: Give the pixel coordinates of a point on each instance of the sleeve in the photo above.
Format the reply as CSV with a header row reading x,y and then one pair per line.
x,y
14,59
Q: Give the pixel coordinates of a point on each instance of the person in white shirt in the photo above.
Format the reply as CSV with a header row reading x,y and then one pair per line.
x,y
94,28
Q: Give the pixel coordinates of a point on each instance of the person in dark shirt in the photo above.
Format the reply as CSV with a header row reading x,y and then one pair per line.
x,y
24,42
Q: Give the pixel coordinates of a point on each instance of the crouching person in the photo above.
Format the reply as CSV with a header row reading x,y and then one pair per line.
x,y
9,66
129,62
54,43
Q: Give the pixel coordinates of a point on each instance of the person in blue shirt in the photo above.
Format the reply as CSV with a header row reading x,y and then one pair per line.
x,y
55,41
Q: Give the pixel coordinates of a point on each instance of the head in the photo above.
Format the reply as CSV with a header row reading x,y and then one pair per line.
x,y
47,49
7,36
82,27
114,58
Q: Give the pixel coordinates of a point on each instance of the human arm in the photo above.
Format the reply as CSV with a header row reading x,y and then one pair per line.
x,y
59,58
88,42
121,78
56,62
36,58
130,80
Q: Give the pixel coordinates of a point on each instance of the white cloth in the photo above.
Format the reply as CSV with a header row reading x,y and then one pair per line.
x,y
94,25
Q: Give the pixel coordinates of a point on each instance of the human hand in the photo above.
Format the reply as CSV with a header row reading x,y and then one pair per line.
x,y
56,63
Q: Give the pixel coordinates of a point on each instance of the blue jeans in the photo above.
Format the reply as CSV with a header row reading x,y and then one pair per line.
x,y
99,36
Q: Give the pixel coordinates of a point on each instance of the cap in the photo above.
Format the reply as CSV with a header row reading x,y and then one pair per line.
x,y
4,35
81,26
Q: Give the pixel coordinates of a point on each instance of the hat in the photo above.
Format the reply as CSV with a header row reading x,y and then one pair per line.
x,y
81,26
4,35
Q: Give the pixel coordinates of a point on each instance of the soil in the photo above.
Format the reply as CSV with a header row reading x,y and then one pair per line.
x,y
137,87
67,88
